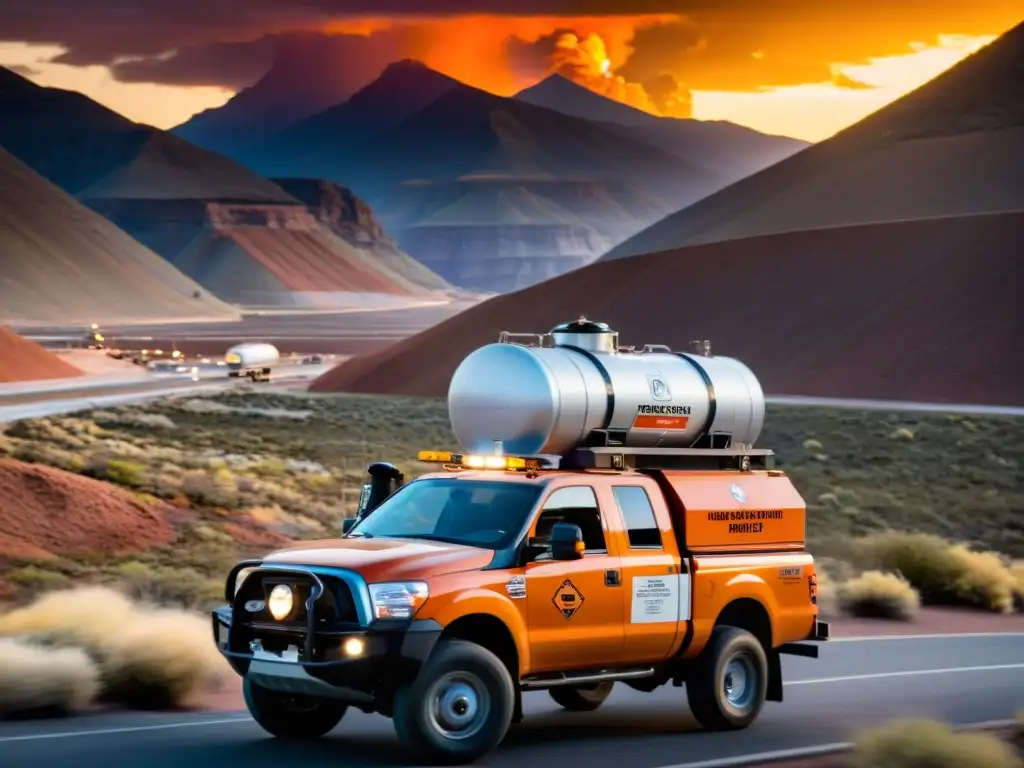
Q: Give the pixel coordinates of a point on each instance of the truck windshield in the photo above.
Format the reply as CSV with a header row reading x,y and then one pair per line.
x,y
477,513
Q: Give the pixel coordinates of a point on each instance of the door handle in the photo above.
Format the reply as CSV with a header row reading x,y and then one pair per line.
x,y
612,578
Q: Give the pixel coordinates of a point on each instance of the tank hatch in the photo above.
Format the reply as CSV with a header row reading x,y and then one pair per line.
x,y
586,335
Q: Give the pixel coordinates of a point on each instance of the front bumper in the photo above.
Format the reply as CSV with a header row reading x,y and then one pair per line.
x,y
316,656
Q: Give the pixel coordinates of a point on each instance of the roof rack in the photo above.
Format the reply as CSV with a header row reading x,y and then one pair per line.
x,y
623,458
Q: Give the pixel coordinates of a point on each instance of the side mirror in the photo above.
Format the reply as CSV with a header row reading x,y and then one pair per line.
x,y
346,525
566,542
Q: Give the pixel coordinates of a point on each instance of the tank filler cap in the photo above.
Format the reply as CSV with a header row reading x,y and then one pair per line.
x,y
582,325
586,335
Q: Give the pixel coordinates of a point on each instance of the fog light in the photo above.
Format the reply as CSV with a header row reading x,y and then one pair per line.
x,y
281,602
354,646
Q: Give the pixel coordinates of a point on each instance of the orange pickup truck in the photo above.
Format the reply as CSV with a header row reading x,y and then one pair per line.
x,y
568,564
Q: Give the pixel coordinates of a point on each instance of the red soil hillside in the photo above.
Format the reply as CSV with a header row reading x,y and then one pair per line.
x,y
24,360
923,310
45,512
255,254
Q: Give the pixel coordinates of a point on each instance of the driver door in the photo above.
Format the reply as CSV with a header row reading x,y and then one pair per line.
x,y
574,608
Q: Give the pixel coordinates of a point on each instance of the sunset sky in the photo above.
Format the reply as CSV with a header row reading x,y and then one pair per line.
x,y
803,68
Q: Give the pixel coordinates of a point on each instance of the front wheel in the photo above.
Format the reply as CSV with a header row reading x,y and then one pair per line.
x,y
728,686
582,698
291,716
459,707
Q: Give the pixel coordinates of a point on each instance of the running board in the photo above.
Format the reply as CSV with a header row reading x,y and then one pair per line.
x,y
539,682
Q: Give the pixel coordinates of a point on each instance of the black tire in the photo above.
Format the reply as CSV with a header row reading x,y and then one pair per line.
x,y
582,698
289,716
457,675
712,687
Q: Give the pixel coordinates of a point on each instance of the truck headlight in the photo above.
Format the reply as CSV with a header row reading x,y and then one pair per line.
x,y
281,602
398,599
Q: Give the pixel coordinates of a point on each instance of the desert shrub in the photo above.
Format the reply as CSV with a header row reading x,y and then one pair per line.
x,y
168,586
36,679
828,603
149,658
34,581
875,594
216,490
941,572
1017,572
928,744
984,581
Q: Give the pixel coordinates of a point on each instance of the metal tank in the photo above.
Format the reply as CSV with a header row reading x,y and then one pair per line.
x,y
552,393
251,355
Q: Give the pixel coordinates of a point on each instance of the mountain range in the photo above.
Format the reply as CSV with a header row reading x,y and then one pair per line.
x,y
884,263
560,189
238,234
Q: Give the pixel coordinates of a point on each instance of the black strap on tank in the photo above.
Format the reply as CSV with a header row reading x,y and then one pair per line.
x,y
712,402
609,389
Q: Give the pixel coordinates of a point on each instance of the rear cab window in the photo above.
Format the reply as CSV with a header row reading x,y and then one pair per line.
x,y
642,529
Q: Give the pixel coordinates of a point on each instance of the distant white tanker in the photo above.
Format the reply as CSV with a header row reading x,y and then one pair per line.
x,y
252,359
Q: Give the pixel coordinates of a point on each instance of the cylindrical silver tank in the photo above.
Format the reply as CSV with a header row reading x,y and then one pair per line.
x,y
549,400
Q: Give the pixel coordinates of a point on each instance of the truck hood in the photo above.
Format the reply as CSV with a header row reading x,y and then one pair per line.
x,y
385,559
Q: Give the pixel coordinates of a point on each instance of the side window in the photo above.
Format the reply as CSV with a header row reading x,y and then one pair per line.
x,y
574,504
638,515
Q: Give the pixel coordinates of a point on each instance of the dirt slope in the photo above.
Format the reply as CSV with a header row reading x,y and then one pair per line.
x,y
62,263
727,150
344,214
24,360
45,512
926,310
952,147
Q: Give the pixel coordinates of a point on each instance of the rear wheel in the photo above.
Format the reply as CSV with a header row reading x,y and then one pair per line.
x,y
459,707
291,716
727,688
582,698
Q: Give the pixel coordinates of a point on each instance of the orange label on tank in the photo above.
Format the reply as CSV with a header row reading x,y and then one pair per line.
x,y
647,421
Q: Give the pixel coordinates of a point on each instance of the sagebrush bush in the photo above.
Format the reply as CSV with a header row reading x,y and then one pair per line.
x,y
149,658
1017,572
943,573
40,680
875,594
929,744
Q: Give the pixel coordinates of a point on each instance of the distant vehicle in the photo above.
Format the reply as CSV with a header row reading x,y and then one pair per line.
x,y
313,360
253,360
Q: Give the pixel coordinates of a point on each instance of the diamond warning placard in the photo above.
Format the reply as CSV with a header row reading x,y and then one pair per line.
x,y
567,599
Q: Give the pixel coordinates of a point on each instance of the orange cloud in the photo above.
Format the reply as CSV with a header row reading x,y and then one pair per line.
x,y
587,50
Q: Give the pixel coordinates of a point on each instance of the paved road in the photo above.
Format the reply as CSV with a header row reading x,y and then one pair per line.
x,y
39,405
962,680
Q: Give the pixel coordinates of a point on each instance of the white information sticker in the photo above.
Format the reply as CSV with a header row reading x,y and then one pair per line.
x,y
655,599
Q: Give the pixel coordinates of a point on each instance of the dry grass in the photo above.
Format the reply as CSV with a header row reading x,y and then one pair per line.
x,y
879,595
943,573
149,658
929,744
36,680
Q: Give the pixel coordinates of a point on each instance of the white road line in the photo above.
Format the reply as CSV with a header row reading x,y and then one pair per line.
x,y
903,673
115,731
952,635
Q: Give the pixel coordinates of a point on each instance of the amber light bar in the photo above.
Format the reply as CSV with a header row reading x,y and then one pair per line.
x,y
478,460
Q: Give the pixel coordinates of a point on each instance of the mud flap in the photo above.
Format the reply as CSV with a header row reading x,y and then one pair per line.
x,y
774,692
